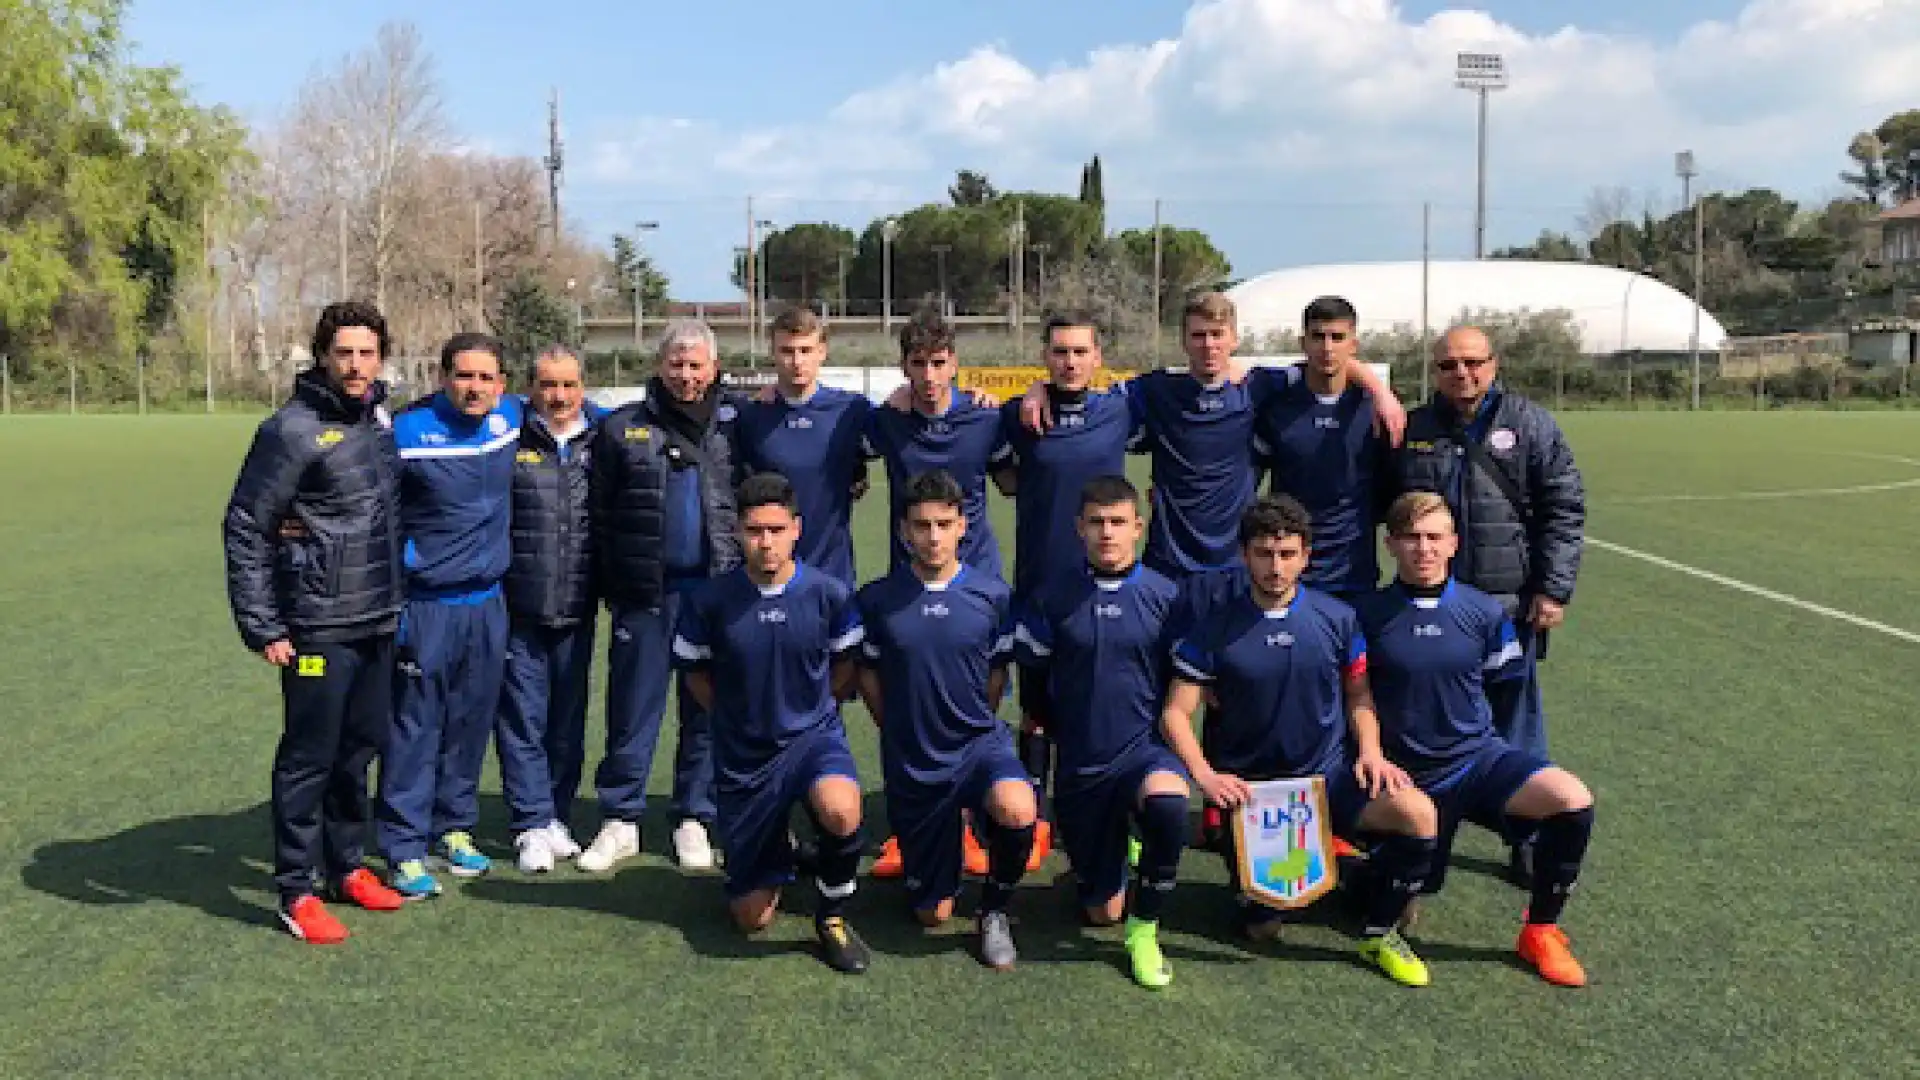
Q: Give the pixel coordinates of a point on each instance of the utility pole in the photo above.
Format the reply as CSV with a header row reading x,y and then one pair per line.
x,y
764,299
206,267
1158,305
752,282
479,272
1426,261
842,258
1039,249
889,231
1684,167
555,162
940,257
343,253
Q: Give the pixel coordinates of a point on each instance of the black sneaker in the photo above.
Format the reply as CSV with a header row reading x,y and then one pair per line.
x,y
841,947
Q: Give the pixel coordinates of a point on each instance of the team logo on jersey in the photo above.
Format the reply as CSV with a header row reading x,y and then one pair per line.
x,y
639,434
773,615
1285,843
528,457
1426,630
1328,422
1107,611
939,427
382,417
1502,439
1071,419
432,438
329,437
935,610
800,423
725,413
1281,640
1211,403
497,425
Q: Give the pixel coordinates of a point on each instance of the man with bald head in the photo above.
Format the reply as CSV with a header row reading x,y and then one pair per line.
x,y
1509,478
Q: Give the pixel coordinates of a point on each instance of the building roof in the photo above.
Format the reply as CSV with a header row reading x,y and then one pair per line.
x,y
1615,310
1906,211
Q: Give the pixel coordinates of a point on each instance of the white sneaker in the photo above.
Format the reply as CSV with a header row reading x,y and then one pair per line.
x,y
536,851
617,841
561,841
690,846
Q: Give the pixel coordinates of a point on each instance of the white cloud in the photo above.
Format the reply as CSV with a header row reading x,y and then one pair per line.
x,y
1314,102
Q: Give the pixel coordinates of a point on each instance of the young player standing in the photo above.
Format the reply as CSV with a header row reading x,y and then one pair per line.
x,y
1288,666
812,435
938,637
1435,643
1098,635
1316,439
768,649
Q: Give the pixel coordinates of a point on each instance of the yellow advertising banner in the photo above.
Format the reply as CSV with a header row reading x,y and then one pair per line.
x,y
1007,383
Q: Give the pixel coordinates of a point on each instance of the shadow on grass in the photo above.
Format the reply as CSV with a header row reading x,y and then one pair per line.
x,y
209,862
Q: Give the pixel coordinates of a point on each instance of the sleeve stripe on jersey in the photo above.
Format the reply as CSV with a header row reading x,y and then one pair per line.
x,y
687,650
869,650
1024,636
498,443
1002,456
855,635
1188,671
1357,666
1507,654
1002,645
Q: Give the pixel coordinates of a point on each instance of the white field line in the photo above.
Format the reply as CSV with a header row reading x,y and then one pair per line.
x,y
1836,614
1794,493
1737,585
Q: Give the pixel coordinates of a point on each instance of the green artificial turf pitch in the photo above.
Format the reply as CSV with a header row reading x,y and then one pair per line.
x,y
1747,908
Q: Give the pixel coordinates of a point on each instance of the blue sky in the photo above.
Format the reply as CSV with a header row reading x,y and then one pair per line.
x,y
1295,131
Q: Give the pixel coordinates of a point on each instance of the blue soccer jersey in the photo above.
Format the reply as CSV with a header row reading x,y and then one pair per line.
x,y
933,647
1431,660
1103,644
816,444
1323,452
1089,438
456,493
965,442
770,651
1201,441
1279,679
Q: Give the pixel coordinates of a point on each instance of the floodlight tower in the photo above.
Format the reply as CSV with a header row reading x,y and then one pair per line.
x,y
1481,73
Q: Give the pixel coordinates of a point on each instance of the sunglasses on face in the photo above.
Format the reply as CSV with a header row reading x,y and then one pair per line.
x,y
1474,363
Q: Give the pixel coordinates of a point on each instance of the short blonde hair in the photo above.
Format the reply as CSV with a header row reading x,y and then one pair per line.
x,y
1212,306
799,321
1408,509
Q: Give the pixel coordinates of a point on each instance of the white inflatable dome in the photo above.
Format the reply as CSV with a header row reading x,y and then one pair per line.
x,y
1616,310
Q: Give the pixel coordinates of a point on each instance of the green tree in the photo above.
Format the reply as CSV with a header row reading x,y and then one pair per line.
x,y
106,170
531,316
631,263
1189,263
1549,246
971,188
1093,190
802,262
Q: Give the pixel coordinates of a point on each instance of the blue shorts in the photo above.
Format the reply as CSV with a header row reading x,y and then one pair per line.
x,y
926,818
753,822
1479,788
1092,821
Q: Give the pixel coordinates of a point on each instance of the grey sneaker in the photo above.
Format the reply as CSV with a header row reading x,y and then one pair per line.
x,y
996,941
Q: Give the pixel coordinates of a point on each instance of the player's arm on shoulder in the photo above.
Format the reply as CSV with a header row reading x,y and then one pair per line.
x,y
1389,415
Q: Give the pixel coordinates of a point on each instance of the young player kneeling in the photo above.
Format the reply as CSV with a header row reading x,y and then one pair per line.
x,y
768,649
1099,639
1288,670
939,636
1435,644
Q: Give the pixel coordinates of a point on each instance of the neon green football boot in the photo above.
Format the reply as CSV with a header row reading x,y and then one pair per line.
x,y
1390,953
1143,948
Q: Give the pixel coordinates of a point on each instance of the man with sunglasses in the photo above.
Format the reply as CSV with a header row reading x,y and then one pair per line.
x,y
1509,478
